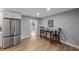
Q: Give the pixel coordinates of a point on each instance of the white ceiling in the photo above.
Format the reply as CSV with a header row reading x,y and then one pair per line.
x,y
43,12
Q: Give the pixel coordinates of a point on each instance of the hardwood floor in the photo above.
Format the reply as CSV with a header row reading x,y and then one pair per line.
x,y
34,43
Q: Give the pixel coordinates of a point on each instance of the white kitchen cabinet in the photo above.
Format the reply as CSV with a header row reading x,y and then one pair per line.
x,y
16,16
0,42
8,14
0,39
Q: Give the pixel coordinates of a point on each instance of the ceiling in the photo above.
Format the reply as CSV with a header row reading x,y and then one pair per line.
x,y
41,12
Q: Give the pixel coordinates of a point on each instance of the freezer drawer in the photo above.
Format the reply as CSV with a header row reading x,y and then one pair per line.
x,y
17,39
8,42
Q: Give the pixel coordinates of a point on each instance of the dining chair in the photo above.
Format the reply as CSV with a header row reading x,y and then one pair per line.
x,y
56,36
54,39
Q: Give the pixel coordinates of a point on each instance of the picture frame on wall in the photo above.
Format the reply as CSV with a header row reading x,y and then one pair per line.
x,y
50,23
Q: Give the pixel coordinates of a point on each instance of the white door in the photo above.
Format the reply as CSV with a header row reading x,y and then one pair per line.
x,y
6,28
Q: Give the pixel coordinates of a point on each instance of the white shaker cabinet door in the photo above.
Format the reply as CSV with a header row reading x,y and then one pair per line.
x,y
8,14
16,16
0,42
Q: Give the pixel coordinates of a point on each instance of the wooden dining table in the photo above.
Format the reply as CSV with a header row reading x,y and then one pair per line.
x,y
43,32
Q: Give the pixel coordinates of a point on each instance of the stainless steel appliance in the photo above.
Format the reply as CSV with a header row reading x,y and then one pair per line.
x,y
11,32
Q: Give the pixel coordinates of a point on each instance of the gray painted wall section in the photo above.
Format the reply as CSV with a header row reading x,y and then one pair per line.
x,y
25,27
69,22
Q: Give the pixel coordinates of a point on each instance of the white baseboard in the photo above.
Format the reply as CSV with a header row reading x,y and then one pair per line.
x,y
75,46
25,37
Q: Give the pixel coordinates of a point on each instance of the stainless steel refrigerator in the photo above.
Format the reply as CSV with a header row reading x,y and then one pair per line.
x,y
11,32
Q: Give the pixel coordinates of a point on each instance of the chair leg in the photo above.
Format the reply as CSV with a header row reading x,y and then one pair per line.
x,y
54,39
59,40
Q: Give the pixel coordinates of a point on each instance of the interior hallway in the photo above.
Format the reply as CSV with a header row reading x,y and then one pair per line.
x,y
34,43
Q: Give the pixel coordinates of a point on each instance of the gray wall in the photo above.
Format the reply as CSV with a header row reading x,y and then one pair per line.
x,y
25,26
69,22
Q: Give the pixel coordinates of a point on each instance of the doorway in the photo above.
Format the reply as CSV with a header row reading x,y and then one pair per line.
x,y
33,27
